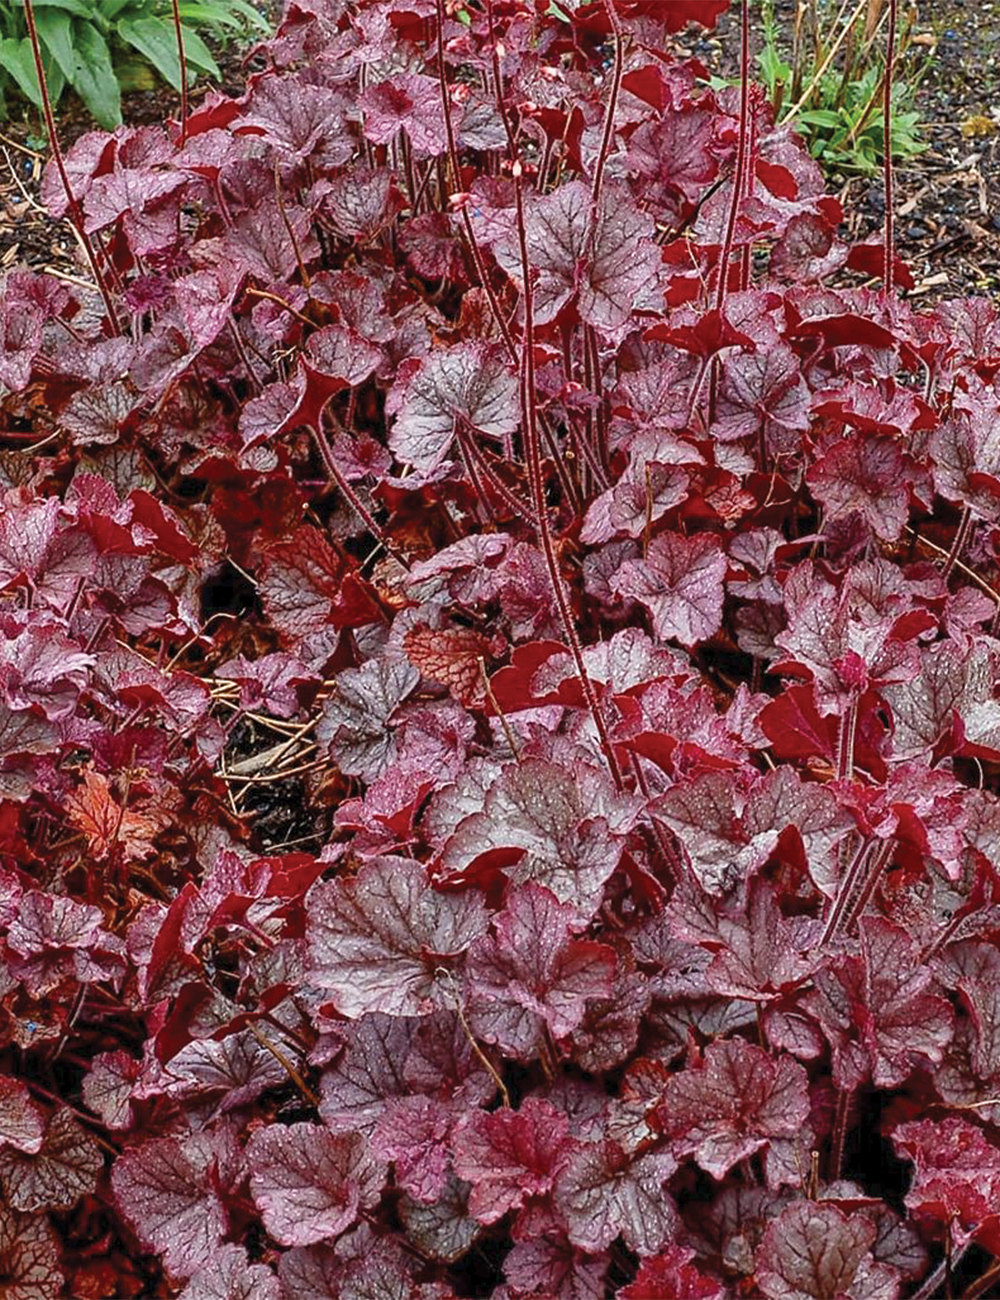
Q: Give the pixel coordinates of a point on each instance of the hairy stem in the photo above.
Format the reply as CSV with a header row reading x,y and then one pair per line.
x,y
182,60
742,151
612,104
470,234
533,456
890,55
75,211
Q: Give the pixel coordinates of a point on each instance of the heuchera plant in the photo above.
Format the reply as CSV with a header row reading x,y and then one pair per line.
x,y
469,412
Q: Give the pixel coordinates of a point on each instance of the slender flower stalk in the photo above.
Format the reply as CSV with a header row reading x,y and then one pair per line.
x,y
75,211
612,105
742,155
182,61
890,56
533,455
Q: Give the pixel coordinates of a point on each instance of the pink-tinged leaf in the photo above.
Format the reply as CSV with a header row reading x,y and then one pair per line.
x,y
924,710
470,385
360,201
764,950
308,590
863,474
553,1266
21,326
813,1250
298,118
978,709
239,1068
673,1274
530,975
605,261
166,1190
385,1058
64,1168
722,844
560,828
231,1276
48,921
432,248
733,1103
309,1273
510,1155
309,1183
29,1257
681,583
107,1088
21,1122
376,942
761,391
414,1132
269,683
354,725
410,102
453,657
880,1014
369,1072
675,155
603,1192
957,1177
41,666
974,969
644,493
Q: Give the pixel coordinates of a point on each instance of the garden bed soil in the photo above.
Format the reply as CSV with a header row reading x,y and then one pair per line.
x,y
948,210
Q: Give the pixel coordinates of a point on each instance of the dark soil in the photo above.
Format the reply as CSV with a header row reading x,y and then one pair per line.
x,y
948,199
28,239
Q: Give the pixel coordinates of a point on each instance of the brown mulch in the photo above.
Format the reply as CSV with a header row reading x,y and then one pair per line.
x,y
948,199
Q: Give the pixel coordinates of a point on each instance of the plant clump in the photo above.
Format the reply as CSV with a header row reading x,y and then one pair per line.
x,y
480,422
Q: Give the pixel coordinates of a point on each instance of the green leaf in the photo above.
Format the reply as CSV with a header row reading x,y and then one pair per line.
x,y
70,6
156,41
773,68
112,8
94,77
821,117
55,29
198,55
18,62
229,13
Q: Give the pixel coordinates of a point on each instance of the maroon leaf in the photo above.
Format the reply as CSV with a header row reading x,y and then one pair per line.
x,y
355,722
864,475
761,391
604,263
529,975
733,1103
603,1192
561,829
680,582
672,1274
231,1276
166,1190
509,1156
21,1122
812,1250
957,1177
29,1257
